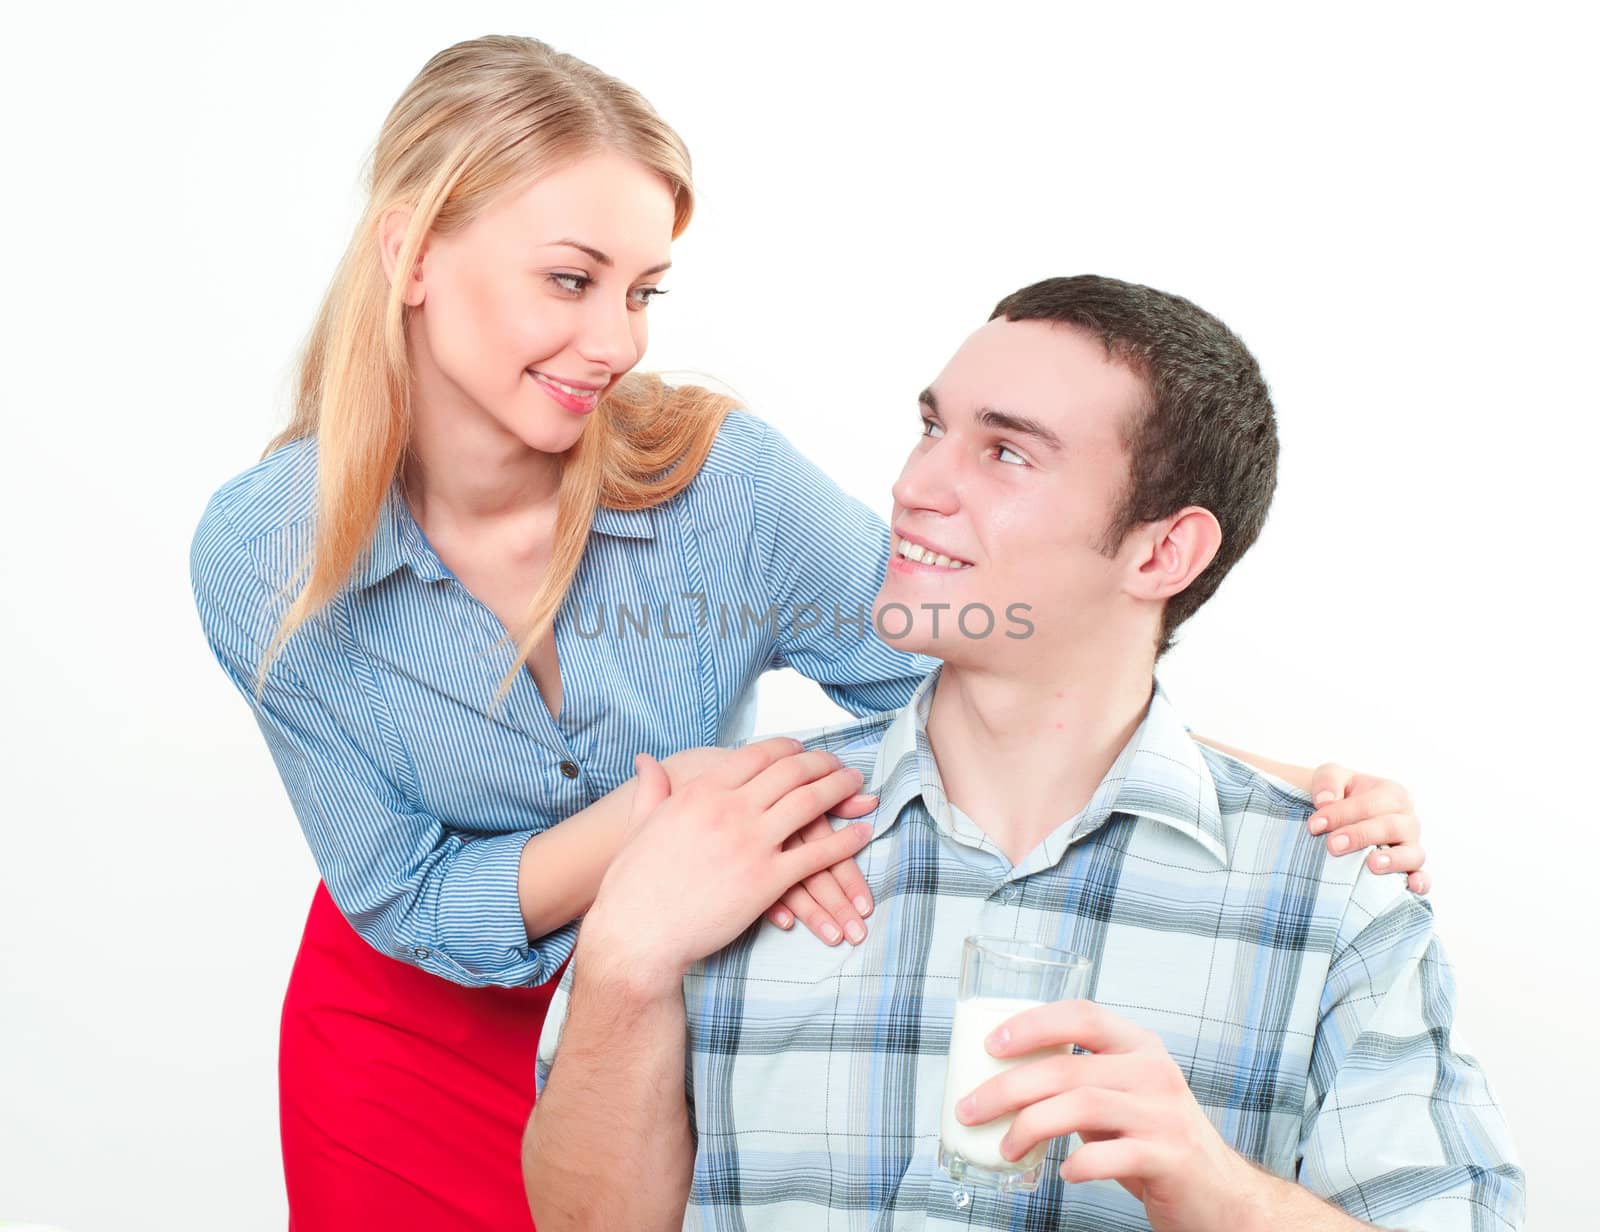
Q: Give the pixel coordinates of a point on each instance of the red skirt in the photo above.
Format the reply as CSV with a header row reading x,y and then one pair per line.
x,y
402,1097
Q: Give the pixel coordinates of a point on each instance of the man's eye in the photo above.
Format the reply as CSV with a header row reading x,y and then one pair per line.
x,y
929,428
1016,459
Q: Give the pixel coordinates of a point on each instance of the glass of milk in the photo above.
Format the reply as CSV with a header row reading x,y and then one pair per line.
x,y
1000,979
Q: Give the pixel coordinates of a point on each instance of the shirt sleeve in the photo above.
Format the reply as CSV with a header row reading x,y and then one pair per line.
x,y
412,886
1401,1127
826,554
550,1036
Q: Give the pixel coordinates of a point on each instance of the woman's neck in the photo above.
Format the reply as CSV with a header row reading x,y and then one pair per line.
x,y
463,466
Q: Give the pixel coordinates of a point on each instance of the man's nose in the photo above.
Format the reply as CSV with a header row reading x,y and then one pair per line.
x,y
928,481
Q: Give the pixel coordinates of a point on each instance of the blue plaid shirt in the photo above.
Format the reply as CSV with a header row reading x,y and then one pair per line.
x,y
1306,1000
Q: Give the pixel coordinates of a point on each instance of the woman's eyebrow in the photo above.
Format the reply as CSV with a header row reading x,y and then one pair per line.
x,y
600,258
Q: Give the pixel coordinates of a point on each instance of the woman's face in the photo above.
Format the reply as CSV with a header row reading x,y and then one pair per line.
x,y
530,312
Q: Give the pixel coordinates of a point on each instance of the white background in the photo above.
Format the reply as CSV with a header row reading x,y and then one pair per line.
x,y
1393,205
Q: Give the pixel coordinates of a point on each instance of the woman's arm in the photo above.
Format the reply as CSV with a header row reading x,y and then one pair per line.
x,y
560,869
825,555
1354,810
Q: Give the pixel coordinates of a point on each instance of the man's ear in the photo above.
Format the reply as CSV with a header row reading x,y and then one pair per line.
x,y
391,235
1174,551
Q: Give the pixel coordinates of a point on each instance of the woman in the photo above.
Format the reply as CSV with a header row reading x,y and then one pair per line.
x,y
397,588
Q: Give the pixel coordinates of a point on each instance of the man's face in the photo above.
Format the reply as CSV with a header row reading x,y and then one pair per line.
x,y
1015,481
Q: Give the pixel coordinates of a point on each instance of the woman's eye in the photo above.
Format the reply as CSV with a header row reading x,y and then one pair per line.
x,y
643,295
571,282
1015,459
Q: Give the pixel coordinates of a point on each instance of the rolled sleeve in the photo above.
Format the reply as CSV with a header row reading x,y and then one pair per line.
x,y
550,1036
411,885
826,554
1402,1129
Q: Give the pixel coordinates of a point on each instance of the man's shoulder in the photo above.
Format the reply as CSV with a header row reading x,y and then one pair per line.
x,y
1264,821
853,741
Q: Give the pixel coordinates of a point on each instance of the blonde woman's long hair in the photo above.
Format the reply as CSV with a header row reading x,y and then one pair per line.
x,y
481,117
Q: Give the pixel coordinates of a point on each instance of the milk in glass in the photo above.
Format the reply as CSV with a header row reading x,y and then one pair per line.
x,y
970,1067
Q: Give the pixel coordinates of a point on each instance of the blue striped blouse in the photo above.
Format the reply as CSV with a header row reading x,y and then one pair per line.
x,y
415,791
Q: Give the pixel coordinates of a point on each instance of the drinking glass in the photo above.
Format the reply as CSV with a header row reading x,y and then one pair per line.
x,y
1000,978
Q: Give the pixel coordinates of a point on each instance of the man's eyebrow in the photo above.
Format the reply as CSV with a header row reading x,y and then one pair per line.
x,y
1005,421
600,258
1020,424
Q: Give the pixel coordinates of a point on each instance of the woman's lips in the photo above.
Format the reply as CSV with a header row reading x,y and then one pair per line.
x,y
578,403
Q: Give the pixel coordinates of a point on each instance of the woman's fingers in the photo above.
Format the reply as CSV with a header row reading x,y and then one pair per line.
x,y
797,904
1406,858
780,916
1420,882
847,873
824,887
1391,829
1376,801
1329,782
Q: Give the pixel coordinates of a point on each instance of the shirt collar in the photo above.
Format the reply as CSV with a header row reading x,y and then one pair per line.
x,y
625,523
398,540
1160,774
384,554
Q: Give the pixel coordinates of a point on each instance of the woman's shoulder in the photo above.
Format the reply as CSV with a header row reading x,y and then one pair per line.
x,y
743,442
750,449
262,512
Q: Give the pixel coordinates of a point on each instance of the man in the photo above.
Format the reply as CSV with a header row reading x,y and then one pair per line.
x,y
1267,1040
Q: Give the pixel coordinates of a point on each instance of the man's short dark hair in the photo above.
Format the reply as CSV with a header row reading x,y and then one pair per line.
x,y
1206,435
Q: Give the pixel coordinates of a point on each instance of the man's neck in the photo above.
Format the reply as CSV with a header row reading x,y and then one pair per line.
x,y
1022,753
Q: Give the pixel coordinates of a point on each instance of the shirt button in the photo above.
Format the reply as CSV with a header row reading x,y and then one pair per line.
x,y
570,769
421,951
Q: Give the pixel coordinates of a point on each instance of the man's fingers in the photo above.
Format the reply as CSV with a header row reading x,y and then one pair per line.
x,y
650,788
1086,1108
787,773
1082,1023
1420,882
1112,1159
808,801
800,862
858,805
742,765
1048,1076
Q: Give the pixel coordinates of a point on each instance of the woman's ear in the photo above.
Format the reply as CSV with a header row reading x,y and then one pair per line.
x,y
391,235
1177,551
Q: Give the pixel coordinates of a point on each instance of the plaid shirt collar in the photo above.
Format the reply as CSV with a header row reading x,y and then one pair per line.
x,y
1159,774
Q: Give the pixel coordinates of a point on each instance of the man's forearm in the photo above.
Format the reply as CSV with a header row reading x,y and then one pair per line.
x,y
1284,1206
608,1145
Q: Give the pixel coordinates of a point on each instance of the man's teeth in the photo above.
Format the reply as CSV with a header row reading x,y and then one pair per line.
x,y
922,556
